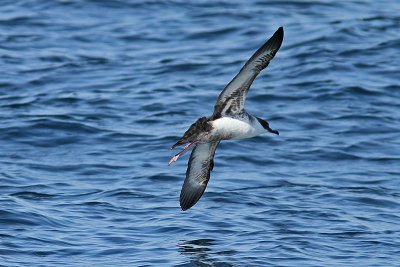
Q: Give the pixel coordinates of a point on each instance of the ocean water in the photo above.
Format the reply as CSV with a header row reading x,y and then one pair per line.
x,y
94,93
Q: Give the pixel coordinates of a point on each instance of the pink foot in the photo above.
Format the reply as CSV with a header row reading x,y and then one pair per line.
x,y
186,148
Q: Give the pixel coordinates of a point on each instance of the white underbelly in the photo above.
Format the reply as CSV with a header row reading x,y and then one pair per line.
x,y
230,128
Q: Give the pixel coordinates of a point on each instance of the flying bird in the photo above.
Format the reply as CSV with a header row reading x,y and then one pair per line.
x,y
229,121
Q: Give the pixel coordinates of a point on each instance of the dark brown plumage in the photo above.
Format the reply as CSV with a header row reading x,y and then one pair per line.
x,y
200,126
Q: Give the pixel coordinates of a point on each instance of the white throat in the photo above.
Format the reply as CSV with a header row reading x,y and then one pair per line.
x,y
233,128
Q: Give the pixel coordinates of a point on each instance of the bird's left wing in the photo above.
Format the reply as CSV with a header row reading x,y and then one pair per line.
x,y
232,98
200,165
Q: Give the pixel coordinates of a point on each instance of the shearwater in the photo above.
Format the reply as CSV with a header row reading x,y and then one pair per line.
x,y
229,121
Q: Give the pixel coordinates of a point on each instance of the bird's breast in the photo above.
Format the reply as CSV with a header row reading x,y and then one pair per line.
x,y
231,128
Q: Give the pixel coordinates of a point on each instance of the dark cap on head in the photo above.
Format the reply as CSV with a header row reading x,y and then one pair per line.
x,y
265,125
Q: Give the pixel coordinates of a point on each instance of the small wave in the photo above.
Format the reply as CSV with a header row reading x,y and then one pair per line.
x,y
206,33
29,195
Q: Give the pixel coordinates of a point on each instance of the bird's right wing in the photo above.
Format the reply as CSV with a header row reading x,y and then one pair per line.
x,y
200,165
232,98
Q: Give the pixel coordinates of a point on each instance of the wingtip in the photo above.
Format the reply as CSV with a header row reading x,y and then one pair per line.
x,y
280,31
188,200
190,195
184,208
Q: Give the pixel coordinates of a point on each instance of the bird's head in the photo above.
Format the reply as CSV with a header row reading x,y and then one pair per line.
x,y
265,125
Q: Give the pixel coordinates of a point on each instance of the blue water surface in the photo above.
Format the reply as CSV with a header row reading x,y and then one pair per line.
x,y
94,93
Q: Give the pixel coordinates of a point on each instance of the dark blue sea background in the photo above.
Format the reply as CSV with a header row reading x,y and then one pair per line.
x,y
94,93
